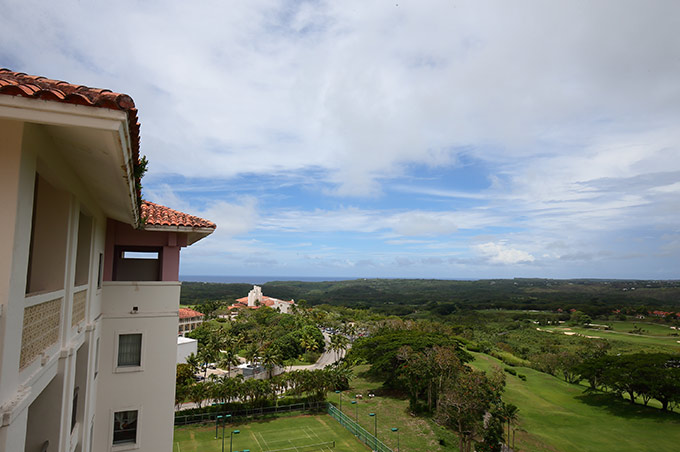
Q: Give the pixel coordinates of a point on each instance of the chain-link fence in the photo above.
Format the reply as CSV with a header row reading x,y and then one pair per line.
x,y
357,430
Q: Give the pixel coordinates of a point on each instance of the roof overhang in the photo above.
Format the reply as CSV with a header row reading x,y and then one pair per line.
x,y
96,144
193,234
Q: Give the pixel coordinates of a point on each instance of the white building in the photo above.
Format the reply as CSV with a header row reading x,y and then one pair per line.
x,y
255,299
189,320
185,347
89,290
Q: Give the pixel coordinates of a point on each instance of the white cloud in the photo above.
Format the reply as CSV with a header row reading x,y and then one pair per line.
x,y
572,106
276,86
500,253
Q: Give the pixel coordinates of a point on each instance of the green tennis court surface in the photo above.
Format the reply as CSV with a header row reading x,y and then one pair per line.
x,y
287,434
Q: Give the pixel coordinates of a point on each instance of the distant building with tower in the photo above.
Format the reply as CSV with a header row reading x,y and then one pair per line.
x,y
255,299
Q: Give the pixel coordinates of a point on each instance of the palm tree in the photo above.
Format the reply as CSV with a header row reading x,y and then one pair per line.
x,y
228,353
198,393
271,357
339,342
509,412
308,342
181,393
227,359
251,353
194,361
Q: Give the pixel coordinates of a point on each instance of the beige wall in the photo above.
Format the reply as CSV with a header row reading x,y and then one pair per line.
x,y
49,238
46,384
38,398
10,199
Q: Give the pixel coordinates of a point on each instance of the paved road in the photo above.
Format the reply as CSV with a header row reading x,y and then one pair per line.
x,y
328,357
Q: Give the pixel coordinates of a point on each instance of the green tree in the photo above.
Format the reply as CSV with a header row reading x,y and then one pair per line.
x,y
465,402
198,392
270,358
184,375
194,362
510,416
229,353
338,343
579,318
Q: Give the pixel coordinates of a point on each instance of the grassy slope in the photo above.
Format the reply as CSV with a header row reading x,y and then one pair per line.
x,y
268,434
415,433
655,338
559,417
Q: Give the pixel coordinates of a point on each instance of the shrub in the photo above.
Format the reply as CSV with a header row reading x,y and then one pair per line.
x,y
510,371
522,377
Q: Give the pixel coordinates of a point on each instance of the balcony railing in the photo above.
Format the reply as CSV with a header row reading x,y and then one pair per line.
x,y
42,321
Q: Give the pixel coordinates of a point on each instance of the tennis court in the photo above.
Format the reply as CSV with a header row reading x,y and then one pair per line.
x,y
304,433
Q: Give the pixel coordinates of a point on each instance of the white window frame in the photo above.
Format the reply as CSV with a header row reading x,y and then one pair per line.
x,y
116,343
125,446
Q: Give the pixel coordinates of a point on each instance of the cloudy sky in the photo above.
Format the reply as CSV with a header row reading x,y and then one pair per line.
x,y
402,138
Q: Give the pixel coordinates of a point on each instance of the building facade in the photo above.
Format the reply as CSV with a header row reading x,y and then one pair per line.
x,y
189,320
89,290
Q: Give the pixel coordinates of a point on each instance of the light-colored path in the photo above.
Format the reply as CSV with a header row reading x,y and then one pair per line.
x,y
327,358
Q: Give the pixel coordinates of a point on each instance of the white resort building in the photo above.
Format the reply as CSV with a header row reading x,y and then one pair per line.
x,y
189,320
255,299
89,291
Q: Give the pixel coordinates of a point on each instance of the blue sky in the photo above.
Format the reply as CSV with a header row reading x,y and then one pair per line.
x,y
429,139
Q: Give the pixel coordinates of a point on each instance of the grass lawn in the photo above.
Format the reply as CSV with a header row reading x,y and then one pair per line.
x,y
649,329
415,433
655,339
558,416
271,434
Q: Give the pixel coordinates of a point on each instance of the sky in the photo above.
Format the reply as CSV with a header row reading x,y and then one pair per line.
x,y
423,139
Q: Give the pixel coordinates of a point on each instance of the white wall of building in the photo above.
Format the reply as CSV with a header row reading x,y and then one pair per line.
x,y
122,389
185,347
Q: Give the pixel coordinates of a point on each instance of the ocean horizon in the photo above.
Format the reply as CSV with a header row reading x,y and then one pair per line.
x,y
266,279
260,279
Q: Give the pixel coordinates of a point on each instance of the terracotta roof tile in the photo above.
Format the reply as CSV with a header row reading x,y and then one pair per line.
x,y
157,215
186,313
35,87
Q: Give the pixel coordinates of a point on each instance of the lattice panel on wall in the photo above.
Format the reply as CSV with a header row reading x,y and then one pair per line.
x,y
41,329
79,301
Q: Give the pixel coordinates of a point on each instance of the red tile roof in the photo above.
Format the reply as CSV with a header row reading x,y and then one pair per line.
x,y
35,87
157,215
266,301
186,313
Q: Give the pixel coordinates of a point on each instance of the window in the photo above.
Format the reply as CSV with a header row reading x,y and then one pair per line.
x,y
74,409
83,250
91,434
137,264
125,427
96,359
100,271
130,350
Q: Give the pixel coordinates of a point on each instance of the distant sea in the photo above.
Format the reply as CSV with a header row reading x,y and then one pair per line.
x,y
259,279
266,279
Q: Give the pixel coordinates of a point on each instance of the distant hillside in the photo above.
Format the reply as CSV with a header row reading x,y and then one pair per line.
x,y
403,296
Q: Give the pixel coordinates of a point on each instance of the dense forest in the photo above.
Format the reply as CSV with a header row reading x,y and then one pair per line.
x,y
418,297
